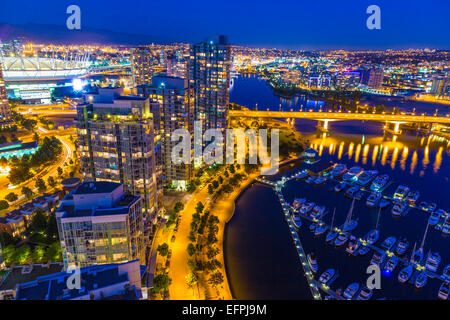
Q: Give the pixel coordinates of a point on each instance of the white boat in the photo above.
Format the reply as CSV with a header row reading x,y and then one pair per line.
x,y
401,192
384,203
313,262
297,221
443,291
402,246
351,291
327,277
306,207
298,203
351,192
311,179
321,228
379,182
303,175
363,250
433,219
320,180
399,209
313,226
341,239
433,261
417,256
338,170
365,294
372,236
388,243
431,207
378,258
446,226
391,264
331,235
352,174
421,280
317,212
405,274
350,224
339,187
446,272
373,199
412,197
353,245
359,195
366,177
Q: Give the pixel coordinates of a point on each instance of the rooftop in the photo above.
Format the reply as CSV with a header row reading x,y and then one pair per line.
x,y
97,187
25,273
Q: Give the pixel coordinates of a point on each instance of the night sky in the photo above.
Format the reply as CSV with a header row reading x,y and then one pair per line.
x,y
293,24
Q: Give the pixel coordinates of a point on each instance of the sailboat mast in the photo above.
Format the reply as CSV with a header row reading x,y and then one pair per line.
x,y
378,218
332,219
424,236
414,250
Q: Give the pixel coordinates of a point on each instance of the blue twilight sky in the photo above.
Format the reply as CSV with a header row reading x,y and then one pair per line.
x,y
296,24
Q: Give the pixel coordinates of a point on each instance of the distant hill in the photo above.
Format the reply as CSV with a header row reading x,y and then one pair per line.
x,y
56,34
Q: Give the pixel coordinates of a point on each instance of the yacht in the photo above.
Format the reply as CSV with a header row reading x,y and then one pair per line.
x,y
351,290
297,221
405,274
341,239
312,260
423,205
372,236
433,261
338,170
366,177
446,226
298,203
399,209
378,258
322,228
359,195
384,203
373,199
417,256
317,212
433,219
402,246
327,277
339,187
320,180
363,250
351,192
353,245
388,243
421,280
349,224
331,235
352,174
412,197
431,207
303,175
446,273
311,179
443,291
365,294
391,264
313,226
401,192
379,182
306,207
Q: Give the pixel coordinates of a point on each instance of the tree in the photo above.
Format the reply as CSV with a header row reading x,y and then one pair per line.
x,y
232,169
27,192
6,239
22,254
60,171
190,249
11,197
220,179
38,222
4,204
163,249
38,253
212,252
51,232
161,283
216,279
51,182
199,207
53,252
215,184
179,206
9,253
40,185
210,189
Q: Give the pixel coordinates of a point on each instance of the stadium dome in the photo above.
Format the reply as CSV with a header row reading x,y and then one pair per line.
x,y
32,68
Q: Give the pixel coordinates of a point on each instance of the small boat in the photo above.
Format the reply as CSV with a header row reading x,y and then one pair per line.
x,y
446,226
433,219
412,197
402,246
303,175
399,209
384,203
359,195
446,272
388,243
320,180
317,212
311,179
443,291
313,226
351,192
351,291
363,250
297,221
350,225
366,177
331,235
379,182
339,187
322,228
338,170
353,245
341,239
417,256
352,174
373,199
312,260
372,236
433,261
365,294
327,277
391,264
421,280
298,203
378,258
431,207
405,274
306,207
401,192
423,205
